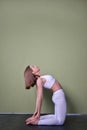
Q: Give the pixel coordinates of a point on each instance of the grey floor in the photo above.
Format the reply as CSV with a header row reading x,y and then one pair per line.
x,y
17,122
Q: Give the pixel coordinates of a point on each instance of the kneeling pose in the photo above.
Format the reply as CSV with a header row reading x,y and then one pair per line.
x,y
33,77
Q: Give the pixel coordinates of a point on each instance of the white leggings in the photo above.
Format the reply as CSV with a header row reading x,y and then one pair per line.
x,y
59,116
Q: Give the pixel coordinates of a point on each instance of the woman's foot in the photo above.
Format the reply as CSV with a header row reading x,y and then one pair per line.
x,y
32,120
35,122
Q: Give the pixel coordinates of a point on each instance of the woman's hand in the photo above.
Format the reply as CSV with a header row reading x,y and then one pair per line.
x,y
36,114
28,120
33,120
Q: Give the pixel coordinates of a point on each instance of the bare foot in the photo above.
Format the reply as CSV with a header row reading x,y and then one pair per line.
x,y
35,122
28,120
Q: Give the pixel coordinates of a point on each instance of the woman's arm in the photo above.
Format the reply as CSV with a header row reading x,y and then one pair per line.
x,y
39,92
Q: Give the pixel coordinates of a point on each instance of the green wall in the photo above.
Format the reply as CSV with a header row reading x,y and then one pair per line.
x,y
52,35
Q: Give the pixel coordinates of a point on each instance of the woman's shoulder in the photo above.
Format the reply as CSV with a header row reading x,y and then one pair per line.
x,y
40,81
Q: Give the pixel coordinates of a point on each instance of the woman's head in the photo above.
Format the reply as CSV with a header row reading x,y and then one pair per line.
x,y
31,74
30,78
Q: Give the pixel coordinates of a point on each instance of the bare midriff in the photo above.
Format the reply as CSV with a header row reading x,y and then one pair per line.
x,y
56,86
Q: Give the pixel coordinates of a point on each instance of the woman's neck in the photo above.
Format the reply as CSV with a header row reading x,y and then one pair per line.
x,y
37,74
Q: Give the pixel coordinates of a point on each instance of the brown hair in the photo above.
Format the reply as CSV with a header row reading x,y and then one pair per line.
x,y
30,77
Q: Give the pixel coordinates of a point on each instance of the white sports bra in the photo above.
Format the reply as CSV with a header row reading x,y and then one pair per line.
x,y
50,80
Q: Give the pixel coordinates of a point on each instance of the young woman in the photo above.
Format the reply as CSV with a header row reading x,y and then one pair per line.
x,y
33,77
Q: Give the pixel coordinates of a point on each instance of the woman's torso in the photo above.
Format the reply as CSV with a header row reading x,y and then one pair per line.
x,y
51,83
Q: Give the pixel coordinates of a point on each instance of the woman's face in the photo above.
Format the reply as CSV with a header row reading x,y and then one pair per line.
x,y
35,68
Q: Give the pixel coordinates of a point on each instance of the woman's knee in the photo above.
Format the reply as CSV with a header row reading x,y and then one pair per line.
x,y
60,121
